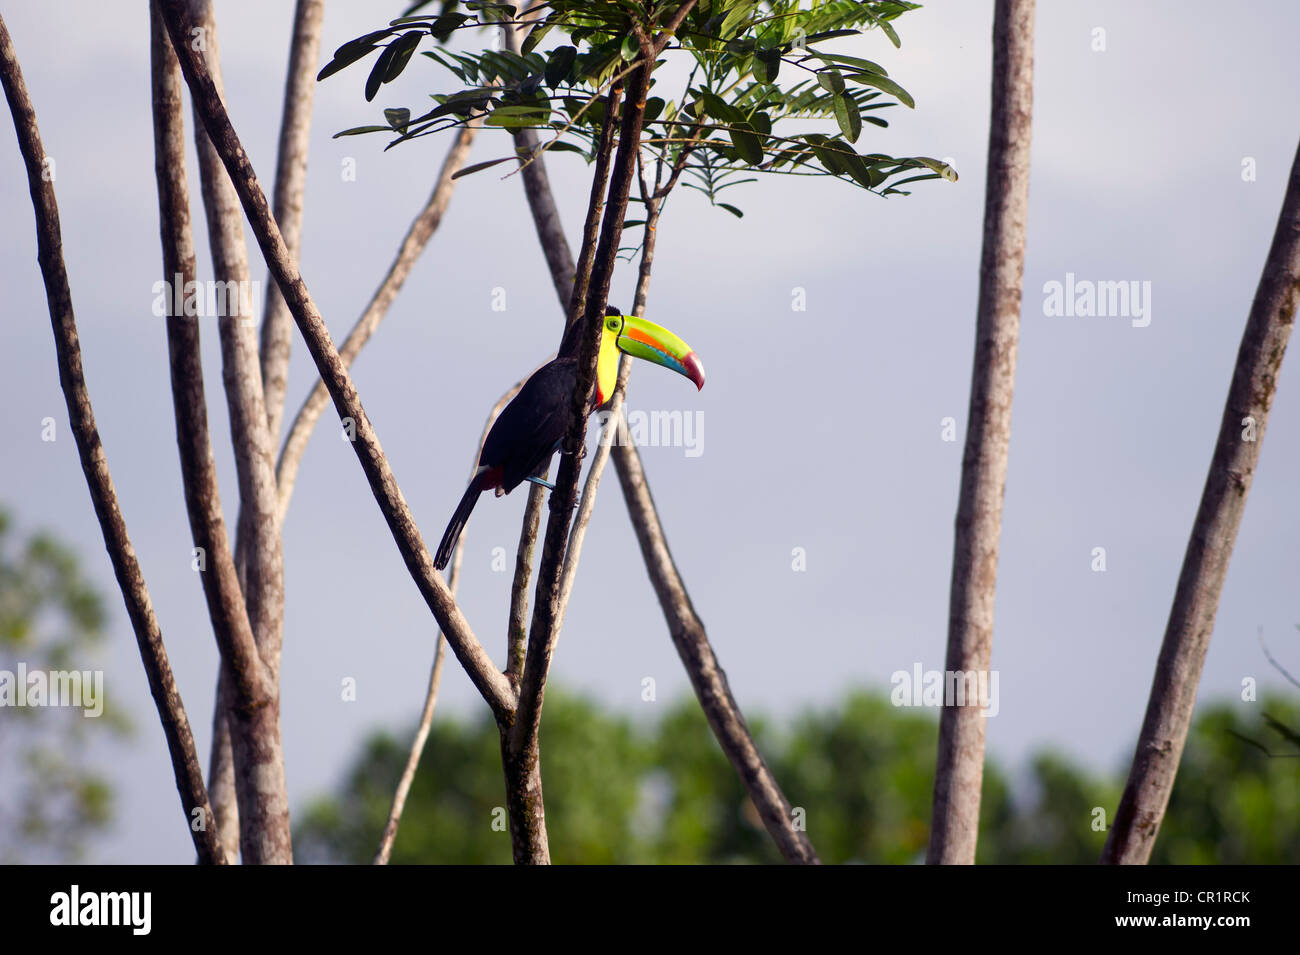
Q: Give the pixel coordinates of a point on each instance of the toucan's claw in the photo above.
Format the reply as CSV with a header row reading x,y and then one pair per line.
x,y
543,482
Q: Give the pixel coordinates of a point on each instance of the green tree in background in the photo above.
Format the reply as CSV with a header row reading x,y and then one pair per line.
x,y
624,791
1233,803
50,619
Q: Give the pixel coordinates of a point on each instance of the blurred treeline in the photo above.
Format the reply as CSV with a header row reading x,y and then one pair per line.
x,y
654,790
619,790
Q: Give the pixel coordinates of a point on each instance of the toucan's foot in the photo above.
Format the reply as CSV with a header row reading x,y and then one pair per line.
x,y
543,482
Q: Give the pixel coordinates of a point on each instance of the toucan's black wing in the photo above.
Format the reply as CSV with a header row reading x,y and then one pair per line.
x,y
528,429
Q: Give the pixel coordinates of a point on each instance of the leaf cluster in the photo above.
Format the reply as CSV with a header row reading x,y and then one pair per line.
x,y
764,91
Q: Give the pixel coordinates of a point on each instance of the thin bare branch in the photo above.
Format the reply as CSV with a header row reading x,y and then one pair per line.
x,y
587,504
290,184
490,681
258,551
959,773
707,676
1205,563
277,327
413,244
435,675
517,629
519,747
537,184
613,429
94,464
686,629
221,766
218,575
580,282
1273,660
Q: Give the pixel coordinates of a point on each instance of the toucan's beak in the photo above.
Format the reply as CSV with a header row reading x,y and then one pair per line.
x,y
642,339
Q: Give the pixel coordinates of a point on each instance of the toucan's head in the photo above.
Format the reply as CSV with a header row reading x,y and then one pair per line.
x,y
641,339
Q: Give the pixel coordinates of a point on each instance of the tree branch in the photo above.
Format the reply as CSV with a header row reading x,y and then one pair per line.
x,y
537,184
706,674
1205,563
413,244
94,464
290,184
218,575
490,681
613,429
258,552
435,676
519,747
689,635
959,772
517,629
580,282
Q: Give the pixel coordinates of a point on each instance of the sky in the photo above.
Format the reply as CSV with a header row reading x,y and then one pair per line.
x,y
1163,134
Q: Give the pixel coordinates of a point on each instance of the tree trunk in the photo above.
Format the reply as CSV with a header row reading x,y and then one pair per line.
x,y
1205,563
959,773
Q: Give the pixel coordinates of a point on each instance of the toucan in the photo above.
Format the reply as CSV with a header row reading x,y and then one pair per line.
x,y
531,427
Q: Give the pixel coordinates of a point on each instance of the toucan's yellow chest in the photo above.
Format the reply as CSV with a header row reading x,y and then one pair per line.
x,y
606,365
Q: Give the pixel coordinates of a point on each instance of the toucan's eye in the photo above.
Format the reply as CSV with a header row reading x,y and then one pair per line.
x,y
612,323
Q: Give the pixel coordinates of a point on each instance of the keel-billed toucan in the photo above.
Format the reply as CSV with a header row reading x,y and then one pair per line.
x,y
531,427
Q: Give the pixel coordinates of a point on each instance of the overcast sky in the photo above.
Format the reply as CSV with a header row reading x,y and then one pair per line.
x,y
822,429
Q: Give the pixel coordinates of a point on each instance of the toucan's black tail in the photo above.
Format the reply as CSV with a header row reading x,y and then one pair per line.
x,y
457,524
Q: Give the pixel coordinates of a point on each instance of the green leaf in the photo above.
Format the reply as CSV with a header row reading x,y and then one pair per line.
x,y
480,166
628,223
379,71
514,117
831,79
730,208
563,146
630,49
767,63
715,107
535,37
746,143
358,130
942,168
903,182
854,61
741,12
866,176
399,119
403,47
847,115
459,103
559,65
832,159
350,52
886,84
829,35
445,25
889,32
654,106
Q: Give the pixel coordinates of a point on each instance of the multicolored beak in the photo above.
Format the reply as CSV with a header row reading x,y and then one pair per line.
x,y
642,339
